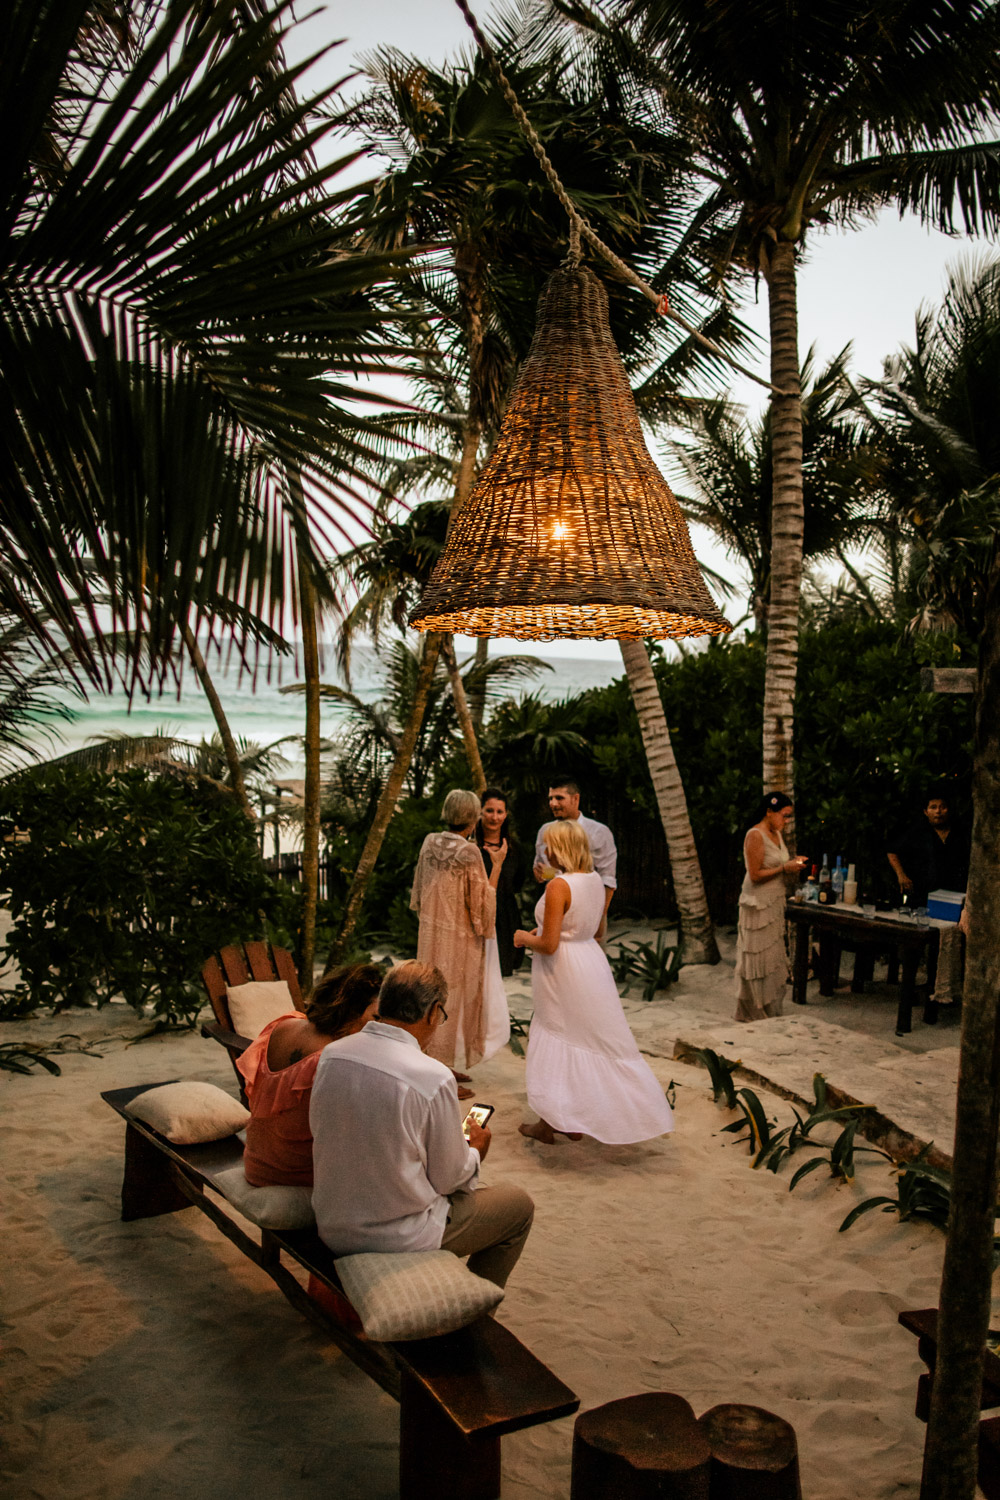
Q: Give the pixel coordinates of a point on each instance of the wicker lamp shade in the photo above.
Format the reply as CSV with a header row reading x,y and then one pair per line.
x,y
572,530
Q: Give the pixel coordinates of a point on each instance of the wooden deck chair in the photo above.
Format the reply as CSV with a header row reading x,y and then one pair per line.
x,y
233,966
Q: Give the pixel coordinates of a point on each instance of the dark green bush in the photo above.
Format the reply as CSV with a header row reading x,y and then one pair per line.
x,y
123,884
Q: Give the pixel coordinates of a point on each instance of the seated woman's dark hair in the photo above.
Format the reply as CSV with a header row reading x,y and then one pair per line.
x,y
506,831
342,997
771,802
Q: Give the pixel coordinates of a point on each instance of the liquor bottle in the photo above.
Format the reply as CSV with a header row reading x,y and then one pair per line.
x,y
825,891
837,881
812,889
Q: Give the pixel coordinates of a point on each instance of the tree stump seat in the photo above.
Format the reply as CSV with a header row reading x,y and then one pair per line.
x,y
652,1445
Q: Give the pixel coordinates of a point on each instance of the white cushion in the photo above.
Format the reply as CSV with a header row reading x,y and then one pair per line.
x,y
189,1113
253,1006
276,1206
414,1294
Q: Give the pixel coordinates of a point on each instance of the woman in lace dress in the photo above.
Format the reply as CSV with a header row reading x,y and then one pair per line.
x,y
584,1071
761,960
456,903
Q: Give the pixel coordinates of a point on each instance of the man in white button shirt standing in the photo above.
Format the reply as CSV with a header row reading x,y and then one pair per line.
x,y
564,802
391,1167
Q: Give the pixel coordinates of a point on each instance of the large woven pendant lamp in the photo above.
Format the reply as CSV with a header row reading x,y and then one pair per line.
x,y
571,530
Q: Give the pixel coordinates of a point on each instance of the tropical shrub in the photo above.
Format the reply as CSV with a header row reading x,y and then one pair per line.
x,y
123,884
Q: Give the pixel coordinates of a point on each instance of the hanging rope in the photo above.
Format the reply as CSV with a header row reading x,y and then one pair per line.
x,y
579,228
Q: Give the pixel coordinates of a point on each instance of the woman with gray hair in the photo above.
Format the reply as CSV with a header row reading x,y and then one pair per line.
x,y
456,904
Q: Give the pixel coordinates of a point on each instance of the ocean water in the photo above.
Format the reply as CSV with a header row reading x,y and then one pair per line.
x,y
257,710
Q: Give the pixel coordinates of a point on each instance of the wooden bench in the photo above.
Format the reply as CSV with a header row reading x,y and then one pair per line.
x,y
458,1393
235,966
923,1323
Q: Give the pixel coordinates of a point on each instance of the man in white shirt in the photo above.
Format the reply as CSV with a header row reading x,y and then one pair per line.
x,y
392,1169
564,802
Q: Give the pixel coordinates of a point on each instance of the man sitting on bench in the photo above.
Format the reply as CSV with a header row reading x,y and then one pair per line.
x,y
392,1170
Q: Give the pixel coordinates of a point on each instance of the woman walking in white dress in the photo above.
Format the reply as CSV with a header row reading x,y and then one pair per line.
x,y
584,1072
761,960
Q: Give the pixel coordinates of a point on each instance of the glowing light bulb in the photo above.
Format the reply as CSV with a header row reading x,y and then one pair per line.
x,y
560,530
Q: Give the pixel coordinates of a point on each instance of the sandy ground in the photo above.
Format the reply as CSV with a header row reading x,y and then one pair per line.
x,y
152,1360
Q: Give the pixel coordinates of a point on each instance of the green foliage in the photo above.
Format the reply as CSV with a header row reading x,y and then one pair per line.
x,y
923,1191
754,1121
720,1070
655,967
386,916
122,885
784,1143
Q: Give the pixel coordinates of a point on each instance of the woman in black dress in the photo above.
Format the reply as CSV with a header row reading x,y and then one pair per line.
x,y
491,830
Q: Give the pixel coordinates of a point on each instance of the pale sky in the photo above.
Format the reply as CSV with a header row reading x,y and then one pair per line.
x,y
862,287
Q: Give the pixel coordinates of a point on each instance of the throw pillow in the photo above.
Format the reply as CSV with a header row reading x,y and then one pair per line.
x,y
273,1207
189,1113
414,1294
254,1005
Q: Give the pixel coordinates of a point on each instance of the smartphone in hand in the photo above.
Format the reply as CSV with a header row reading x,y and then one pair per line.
x,y
479,1114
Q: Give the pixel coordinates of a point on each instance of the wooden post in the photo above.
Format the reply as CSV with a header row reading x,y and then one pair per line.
x,y
950,1457
640,1448
436,1458
148,1186
754,1454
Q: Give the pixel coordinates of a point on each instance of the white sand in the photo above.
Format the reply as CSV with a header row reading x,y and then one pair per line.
x,y
152,1360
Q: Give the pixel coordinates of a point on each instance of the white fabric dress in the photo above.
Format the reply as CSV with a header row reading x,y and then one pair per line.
x,y
584,1071
495,1007
761,959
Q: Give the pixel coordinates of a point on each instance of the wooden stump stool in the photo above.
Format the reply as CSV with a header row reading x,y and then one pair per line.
x,y
754,1454
640,1448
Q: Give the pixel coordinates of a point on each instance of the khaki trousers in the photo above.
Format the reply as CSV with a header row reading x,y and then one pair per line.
x,y
490,1226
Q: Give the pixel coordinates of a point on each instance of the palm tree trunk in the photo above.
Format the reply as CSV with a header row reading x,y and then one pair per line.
x,y
786,525
387,801
311,798
229,746
464,716
477,697
697,935
950,1457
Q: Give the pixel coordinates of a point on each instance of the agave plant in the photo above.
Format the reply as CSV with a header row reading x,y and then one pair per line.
x,y
657,967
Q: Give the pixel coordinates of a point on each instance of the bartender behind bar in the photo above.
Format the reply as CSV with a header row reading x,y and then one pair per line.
x,y
932,853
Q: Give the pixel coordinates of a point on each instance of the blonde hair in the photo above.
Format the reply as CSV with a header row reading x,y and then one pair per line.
x,y
568,843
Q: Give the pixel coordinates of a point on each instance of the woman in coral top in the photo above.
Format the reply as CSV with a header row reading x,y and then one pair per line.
x,y
278,1070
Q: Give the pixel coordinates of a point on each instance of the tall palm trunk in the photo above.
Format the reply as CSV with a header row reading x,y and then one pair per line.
x,y
697,936
387,801
464,716
787,518
311,797
229,746
477,697
950,1456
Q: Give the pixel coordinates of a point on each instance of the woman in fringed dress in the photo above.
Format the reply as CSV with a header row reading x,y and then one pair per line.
x,y
761,960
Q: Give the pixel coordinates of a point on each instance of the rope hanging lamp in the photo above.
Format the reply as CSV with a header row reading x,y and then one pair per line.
x,y
571,531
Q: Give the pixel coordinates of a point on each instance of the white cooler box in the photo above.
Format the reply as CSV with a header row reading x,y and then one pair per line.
x,y
945,905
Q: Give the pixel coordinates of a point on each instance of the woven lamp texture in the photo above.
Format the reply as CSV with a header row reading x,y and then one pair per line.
x,y
572,529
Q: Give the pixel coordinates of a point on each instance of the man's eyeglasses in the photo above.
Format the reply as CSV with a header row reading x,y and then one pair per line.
x,y
443,1014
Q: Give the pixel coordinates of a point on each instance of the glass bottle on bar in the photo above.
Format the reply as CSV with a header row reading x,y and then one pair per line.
x,y
837,880
825,884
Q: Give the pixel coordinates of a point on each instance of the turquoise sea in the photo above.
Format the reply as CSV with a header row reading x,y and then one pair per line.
x,y
258,711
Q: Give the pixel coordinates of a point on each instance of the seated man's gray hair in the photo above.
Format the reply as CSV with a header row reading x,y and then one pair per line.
x,y
460,809
409,990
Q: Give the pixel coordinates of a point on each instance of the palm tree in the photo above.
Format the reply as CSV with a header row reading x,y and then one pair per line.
x,y
179,319
729,461
463,180
932,420
777,120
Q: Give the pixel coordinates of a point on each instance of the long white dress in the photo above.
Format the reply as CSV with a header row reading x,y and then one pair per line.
x,y
761,960
584,1071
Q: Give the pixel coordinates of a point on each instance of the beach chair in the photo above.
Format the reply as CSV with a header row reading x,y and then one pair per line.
x,y
235,966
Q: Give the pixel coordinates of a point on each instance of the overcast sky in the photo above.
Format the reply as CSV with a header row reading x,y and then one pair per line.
x,y
862,287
